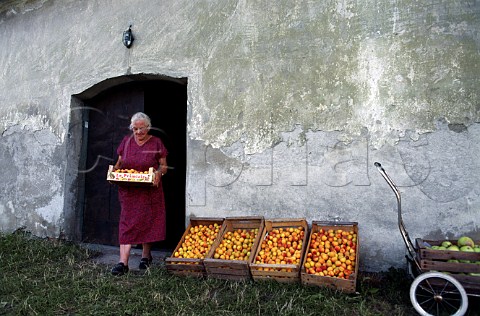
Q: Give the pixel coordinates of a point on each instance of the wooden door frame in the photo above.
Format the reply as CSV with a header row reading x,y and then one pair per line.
x,y
77,143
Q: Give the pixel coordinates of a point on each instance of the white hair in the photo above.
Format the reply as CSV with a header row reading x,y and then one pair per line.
x,y
140,116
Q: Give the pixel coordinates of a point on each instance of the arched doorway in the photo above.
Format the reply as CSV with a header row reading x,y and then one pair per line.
x,y
106,119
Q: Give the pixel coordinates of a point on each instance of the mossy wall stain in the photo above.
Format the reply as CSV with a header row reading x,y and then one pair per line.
x,y
388,67
258,68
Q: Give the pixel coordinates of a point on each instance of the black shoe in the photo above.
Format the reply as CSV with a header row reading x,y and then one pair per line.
x,y
145,263
119,269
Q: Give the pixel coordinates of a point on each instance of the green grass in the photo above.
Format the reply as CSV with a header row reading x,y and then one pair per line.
x,y
52,277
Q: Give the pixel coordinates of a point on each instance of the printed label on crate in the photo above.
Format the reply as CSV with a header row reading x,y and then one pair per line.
x,y
130,175
138,177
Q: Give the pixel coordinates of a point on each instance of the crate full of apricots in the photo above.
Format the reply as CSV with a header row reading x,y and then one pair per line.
x,y
331,257
233,250
280,251
131,176
193,247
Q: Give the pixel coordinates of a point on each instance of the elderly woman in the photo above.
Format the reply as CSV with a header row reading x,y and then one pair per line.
x,y
142,217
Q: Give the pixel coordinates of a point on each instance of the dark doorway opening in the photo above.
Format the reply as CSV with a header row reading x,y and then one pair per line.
x,y
107,117
166,104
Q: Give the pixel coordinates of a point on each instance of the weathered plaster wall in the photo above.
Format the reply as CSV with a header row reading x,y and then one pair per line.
x,y
289,105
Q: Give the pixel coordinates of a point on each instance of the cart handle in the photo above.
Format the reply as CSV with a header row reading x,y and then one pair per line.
x,y
401,225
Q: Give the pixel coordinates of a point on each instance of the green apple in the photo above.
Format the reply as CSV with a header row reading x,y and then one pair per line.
x,y
446,244
466,249
465,241
442,248
453,248
476,249
453,260
435,247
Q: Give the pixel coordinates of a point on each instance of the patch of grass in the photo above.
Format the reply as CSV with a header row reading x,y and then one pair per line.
x,y
54,277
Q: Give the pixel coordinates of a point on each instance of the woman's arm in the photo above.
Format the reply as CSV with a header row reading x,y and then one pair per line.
x,y
118,164
163,166
162,169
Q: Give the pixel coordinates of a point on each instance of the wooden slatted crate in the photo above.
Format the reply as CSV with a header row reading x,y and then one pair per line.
x,y
217,265
348,284
458,264
287,270
192,266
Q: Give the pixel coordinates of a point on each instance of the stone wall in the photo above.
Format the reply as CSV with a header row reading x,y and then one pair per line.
x,y
290,103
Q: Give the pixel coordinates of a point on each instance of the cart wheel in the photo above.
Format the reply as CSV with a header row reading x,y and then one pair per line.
x,y
436,293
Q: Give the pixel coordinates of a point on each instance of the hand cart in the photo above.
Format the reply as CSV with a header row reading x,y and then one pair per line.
x,y
432,292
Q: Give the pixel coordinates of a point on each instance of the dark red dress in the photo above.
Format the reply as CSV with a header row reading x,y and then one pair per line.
x,y
142,217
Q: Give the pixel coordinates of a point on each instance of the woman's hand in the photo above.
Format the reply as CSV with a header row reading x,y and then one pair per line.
x,y
163,166
156,180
